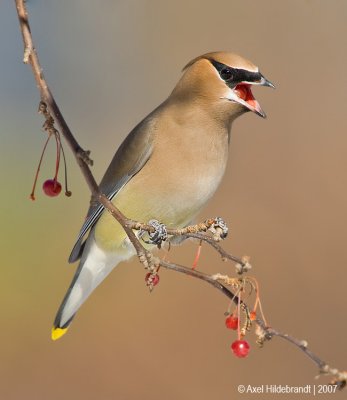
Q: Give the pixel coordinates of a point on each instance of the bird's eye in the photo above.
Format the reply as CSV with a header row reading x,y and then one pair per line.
x,y
226,74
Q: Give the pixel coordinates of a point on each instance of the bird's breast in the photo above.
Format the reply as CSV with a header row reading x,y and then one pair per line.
x,y
182,174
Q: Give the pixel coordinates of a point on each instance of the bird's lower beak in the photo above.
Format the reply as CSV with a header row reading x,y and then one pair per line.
x,y
244,95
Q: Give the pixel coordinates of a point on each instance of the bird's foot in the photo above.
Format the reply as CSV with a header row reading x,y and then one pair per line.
x,y
158,236
219,229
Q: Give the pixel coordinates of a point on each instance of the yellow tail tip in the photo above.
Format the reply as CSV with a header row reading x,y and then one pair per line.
x,y
57,333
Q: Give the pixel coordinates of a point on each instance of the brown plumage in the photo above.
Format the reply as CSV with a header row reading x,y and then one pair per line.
x,y
167,168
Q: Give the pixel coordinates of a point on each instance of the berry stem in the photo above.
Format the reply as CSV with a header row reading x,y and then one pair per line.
x,y
238,314
57,161
258,302
32,194
232,303
197,256
261,312
67,191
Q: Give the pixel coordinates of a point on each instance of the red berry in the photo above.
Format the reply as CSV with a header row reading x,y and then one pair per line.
x,y
232,322
151,279
252,315
240,348
51,187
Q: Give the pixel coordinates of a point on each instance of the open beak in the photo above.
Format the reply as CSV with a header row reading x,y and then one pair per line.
x,y
243,95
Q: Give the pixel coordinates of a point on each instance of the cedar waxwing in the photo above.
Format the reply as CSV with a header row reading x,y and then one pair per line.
x,y
166,169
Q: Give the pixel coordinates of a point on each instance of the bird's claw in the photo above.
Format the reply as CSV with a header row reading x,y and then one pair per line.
x,y
219,228
158,236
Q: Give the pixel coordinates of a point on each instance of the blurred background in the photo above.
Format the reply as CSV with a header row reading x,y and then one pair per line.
x,y
284,196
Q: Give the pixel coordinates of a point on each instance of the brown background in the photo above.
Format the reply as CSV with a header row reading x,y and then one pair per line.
x,y
284,196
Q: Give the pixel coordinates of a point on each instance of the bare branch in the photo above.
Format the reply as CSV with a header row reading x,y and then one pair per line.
x,y
82,156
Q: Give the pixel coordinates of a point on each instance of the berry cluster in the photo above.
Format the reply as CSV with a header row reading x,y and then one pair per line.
x,y
52,187
240,347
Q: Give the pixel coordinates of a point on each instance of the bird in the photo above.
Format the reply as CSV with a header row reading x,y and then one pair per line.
x,y
166,169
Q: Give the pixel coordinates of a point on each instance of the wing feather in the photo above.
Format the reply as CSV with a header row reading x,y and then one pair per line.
x,y
129,159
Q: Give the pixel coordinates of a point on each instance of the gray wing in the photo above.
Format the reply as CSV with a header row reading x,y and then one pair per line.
x,y
129,159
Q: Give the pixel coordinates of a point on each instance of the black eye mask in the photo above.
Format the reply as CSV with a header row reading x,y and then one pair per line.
x,y
233,76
